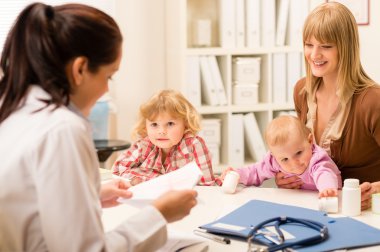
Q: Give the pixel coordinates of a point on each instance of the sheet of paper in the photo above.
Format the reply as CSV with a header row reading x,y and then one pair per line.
x,y
185,177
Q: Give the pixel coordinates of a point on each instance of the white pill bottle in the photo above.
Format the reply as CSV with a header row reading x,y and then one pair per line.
x,y
351,197
230,182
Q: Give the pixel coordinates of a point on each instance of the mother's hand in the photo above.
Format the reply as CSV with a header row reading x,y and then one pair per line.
x,y
288,182
367,190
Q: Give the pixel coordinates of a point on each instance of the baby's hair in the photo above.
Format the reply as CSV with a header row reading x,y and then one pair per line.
x,y
282,128
171,102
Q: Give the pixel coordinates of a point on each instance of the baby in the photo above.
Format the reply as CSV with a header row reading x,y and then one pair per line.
x,y
291,151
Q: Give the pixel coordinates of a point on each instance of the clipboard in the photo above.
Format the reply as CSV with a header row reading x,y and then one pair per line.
x,y
344,232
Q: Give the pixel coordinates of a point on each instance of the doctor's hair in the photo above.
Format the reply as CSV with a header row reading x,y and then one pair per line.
x,y
333,23
283,128
171,102
41,44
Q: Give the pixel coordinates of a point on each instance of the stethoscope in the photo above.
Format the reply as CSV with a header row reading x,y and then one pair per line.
x,y
280,243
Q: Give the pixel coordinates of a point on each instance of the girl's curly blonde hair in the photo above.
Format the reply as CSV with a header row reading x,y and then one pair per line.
x,y
171,102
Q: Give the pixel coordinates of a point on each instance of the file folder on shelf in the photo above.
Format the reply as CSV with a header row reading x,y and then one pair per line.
x,y
253,37
217,80
193,80
254,139
208,87
343,232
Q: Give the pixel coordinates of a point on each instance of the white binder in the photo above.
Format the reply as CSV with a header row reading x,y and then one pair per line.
x,y
282,21
193,80
227,27
268,23
279,94
253,137
294,60
217,80
209,95
298,11
253,16
240,23
236,140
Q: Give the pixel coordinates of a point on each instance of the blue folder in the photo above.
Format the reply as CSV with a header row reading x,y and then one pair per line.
x,y
344,232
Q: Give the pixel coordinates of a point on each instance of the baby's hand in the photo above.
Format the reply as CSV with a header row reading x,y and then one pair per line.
x,y
225,172
329,192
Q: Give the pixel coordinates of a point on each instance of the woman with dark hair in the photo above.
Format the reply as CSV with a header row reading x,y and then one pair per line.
x,y
56,63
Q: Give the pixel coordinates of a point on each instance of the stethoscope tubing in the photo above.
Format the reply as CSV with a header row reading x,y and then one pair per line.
x,y
321,228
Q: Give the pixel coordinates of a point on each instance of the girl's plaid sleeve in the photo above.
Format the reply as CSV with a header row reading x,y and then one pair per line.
x,y
202,157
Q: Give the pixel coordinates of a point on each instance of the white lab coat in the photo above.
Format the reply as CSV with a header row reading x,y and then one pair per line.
x,y
49,187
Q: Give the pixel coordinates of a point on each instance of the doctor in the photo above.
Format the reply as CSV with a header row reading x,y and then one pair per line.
x,y
56,63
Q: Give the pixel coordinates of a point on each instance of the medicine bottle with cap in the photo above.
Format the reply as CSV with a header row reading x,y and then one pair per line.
x,y
230,182
351,197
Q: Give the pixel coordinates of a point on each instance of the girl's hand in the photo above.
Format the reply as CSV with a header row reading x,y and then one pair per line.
x,y
289,183
329,192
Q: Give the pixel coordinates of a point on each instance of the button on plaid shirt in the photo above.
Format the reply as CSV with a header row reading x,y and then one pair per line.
x,y
143,160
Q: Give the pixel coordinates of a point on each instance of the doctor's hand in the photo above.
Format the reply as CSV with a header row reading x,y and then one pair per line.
x,y
289,183
112,190
174,205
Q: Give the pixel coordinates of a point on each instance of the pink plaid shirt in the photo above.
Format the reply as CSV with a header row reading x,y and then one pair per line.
x,y
143,159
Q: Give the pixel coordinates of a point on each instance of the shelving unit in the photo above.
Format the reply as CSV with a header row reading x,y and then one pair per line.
x,y
180,15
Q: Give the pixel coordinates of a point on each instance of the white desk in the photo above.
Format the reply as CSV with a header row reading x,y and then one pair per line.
x,y
214,203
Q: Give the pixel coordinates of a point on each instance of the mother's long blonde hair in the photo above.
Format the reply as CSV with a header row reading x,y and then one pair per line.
x,y
334,23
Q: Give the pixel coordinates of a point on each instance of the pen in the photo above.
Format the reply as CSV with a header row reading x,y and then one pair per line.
x,y
213,237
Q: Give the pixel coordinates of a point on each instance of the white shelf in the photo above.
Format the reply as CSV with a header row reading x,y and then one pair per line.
x,y
180,15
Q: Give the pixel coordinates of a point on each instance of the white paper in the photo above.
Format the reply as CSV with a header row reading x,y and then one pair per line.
x,y
144,193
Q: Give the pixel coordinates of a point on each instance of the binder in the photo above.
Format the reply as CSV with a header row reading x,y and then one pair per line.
x,y
193,80
236,140
343,232
282,21
268,23
209,93
253,17
294,67
240,23
254,139
298,11
217,80
227,27
279,78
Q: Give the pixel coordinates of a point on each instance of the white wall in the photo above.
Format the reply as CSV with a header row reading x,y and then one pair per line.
x,y
142,71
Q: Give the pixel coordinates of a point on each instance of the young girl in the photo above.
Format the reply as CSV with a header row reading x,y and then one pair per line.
x,y
167,140
292,152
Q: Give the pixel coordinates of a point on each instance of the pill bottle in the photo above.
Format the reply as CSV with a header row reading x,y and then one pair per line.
x,y
328,204
376,203
230,182
351,197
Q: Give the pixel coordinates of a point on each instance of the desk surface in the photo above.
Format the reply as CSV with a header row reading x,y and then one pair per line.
x,y
213,203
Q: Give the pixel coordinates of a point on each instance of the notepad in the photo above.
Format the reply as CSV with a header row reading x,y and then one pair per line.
x,y
144,193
